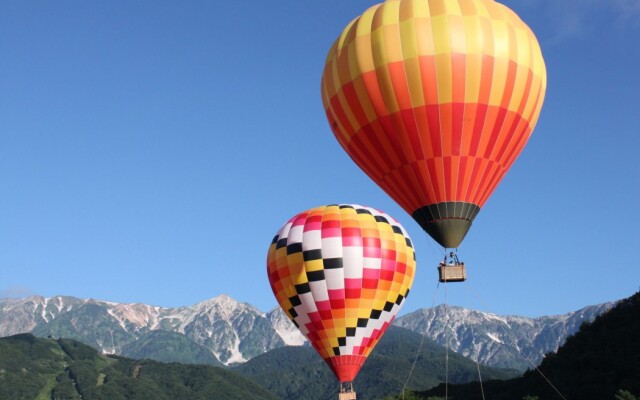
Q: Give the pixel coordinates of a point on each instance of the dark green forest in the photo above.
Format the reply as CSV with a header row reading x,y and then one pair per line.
x,y
64,369
601,361
38,368
299,373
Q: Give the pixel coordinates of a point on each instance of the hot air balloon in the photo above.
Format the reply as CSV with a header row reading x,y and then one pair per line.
x,y
341,274
434,100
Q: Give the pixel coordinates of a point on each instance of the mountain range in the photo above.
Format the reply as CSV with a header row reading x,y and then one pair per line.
x,y
223,330
598,362
230,331
499,341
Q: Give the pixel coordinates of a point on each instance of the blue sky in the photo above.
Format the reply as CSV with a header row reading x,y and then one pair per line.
x,y
150,150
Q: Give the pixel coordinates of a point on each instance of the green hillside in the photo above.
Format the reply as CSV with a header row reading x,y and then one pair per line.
x,y
43,369
89,323
601,361
299,373
167,346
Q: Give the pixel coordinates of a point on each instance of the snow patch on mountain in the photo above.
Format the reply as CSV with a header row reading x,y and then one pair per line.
x,y
285,328
236,332
494,338
499,341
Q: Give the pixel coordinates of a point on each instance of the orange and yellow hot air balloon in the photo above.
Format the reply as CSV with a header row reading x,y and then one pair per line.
x,y
341,273
434,100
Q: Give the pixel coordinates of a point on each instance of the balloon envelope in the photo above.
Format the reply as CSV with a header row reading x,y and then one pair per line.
x,y
341,274
434,100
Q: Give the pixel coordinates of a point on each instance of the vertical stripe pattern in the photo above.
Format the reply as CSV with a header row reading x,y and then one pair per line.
x,y
434,99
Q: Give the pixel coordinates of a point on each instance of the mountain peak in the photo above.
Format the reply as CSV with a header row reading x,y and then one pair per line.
x,y
225,305
224,298
221,301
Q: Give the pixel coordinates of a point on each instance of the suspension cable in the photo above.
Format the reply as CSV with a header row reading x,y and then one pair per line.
x,y
473,340
446,339
424,334
519,352
545,378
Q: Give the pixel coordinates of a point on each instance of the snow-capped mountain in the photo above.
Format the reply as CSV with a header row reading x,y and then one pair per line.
x,y
22,315
232,331
283,326
498,341
235,332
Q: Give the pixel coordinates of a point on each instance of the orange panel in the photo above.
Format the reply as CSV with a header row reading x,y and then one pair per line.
x,y
446,127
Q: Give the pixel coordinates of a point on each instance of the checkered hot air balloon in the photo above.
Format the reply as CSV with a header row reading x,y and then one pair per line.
x,y
434,100
341,274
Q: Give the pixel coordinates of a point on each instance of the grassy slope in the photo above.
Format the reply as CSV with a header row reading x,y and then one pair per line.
x,y
34,368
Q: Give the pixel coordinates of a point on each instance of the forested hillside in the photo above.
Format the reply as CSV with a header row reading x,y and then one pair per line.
x,y
42,369
601,360
298,373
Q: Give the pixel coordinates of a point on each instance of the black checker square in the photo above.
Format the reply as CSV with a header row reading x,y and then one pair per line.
x,y
303,288
375,314
310,255
281,243
314,276
388,306
332,263
294,248
362,322
380,218
342,341
295,301
351,332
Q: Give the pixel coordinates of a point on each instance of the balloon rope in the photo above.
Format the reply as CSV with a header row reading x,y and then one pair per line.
x,y
473,341
519,352
545,378
446,339
424,334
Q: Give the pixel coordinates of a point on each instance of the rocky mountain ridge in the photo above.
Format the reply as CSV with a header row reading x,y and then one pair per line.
x,y
235,332
499,341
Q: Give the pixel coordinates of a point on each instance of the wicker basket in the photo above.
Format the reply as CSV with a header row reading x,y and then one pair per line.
x,y
452,273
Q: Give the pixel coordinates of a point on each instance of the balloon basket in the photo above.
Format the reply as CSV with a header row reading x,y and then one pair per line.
x,y
452,273
347,396
346,392
451,269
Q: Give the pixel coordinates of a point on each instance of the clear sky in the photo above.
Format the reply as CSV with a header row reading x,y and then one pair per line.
x,y
150,150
